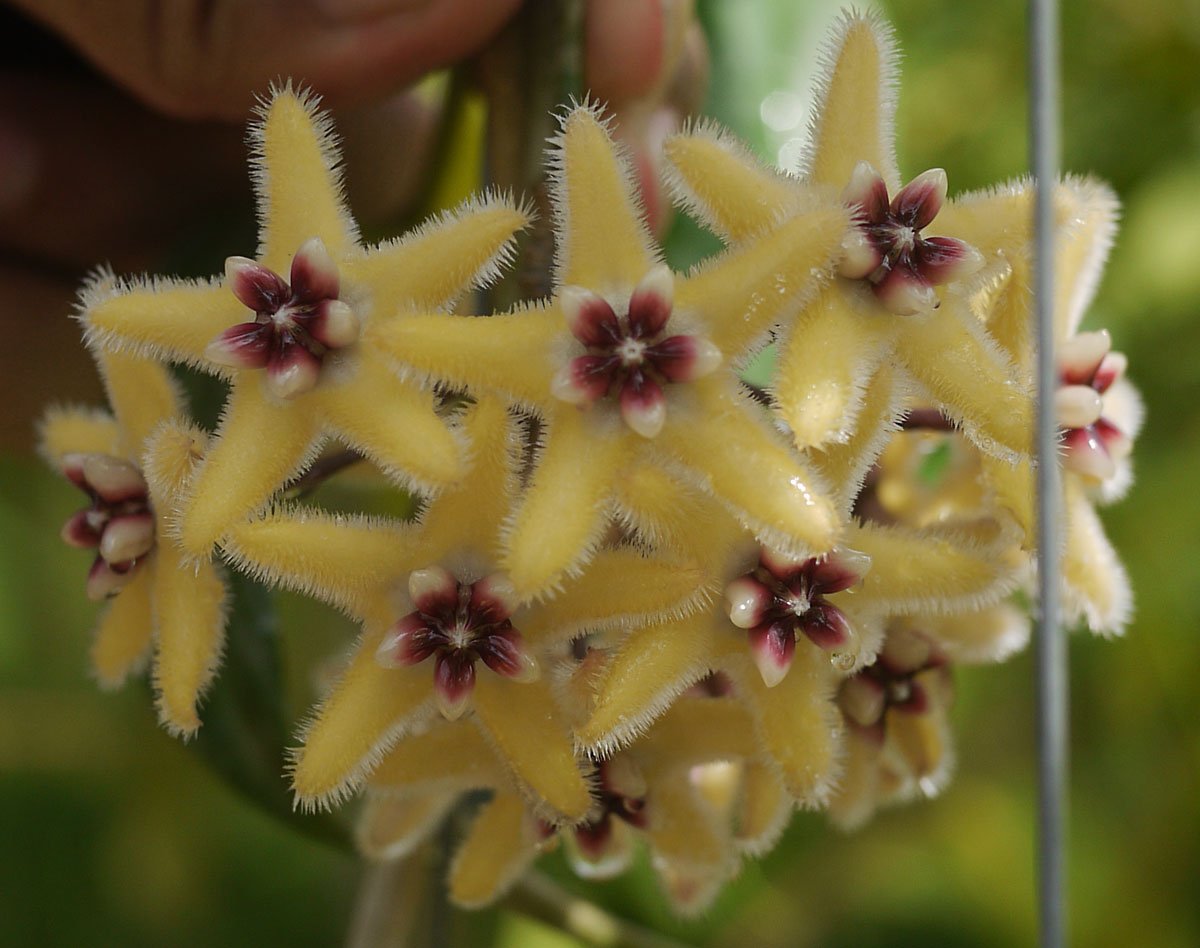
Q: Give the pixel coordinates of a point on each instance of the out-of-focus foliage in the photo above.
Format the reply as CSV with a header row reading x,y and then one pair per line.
x,y
113,833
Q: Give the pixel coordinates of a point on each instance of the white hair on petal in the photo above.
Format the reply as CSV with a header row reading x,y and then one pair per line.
x,y
559,186
310,584
889,84
328,143
684,196
102,285
354,777
1095,224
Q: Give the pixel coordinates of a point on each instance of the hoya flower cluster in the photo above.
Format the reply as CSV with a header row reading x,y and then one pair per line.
x,y
641,603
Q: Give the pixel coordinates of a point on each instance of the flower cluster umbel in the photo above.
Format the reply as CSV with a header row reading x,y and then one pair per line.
x,y
684,608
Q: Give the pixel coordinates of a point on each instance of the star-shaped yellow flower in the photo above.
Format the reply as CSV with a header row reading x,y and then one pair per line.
x,y
434,591
901,294
787,630
1098,410
132,464
630,363
898,742
681,788
296,330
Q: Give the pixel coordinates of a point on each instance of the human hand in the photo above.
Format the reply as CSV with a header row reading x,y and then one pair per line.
x,y
110,157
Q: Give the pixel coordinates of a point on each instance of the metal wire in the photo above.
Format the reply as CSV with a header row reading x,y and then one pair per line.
x,y
1051,643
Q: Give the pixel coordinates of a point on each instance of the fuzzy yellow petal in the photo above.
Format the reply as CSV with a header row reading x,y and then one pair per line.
x,y
453,754
345,561
522,722
735,455
692,848
470,514
924,570
698,730
998,221
258,446
718,179
604,243
189,611
692,888
764,808
858,791
739,295
168,462
70,430
988,635
369,709
856,107
142,395
796,721
496,851
563,512
174,319
298,181
950,355
122,638
651,666
844,465
509,353
660,508
826,365
393,423
617,584
435,264
1095,585
1086,212
392,827
682,829
1012,487
922,742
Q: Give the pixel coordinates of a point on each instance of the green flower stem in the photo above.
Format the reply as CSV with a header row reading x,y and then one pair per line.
x,y
396,906
539,897
532,69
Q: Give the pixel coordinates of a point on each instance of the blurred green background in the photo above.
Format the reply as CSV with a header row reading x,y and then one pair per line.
x,y
114,834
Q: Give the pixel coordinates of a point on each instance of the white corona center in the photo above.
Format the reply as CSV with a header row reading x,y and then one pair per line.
x,y
631,351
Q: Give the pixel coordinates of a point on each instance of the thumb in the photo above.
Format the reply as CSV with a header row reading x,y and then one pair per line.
x,y
207,58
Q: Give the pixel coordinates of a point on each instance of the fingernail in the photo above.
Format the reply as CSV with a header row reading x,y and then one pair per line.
x,y
18,167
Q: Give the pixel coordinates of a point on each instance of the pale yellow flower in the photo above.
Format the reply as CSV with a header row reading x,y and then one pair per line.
x,y
295,331
785,631
631,364
902,297
133,464
435,590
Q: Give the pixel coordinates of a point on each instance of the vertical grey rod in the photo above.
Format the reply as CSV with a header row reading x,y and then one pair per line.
x,y
1051,645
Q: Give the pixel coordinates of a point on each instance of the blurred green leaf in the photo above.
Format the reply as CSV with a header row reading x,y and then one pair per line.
x,y
244,733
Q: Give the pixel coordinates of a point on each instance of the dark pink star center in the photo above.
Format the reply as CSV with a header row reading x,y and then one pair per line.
x,y
781,599
296,324
118,523
630,357
458,624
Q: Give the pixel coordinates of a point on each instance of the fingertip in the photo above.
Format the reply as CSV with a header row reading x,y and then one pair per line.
x,y
624,49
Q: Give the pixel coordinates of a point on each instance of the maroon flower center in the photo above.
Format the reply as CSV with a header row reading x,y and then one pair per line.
x,y
458,624
1087,370
783,598
887,249
118,523
892,682
630,357
296,324
621,797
